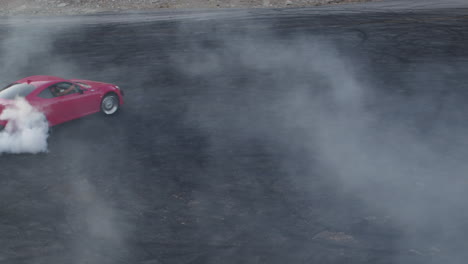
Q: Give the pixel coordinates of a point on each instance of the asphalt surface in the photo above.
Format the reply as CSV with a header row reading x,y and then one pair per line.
x,y
215,158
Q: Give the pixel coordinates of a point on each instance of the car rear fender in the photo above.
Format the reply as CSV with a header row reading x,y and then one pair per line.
x,y
2,122
3,104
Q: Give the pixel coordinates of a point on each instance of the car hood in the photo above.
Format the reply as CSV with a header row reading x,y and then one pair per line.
x,y
90,84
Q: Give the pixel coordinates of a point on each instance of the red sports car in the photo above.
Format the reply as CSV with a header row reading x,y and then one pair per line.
x,y
63,100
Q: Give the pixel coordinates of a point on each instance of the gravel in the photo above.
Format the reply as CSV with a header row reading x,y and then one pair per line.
x,y
49,7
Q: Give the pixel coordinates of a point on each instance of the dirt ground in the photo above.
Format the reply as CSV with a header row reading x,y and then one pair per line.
x,y
48,7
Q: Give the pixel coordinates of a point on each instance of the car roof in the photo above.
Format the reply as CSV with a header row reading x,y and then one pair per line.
x,y
38,80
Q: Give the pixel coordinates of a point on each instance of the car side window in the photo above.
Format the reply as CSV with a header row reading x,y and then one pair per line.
x,y
46,93
62,89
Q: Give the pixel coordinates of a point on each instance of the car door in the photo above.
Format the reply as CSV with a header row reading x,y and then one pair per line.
x,y
59,108
90,100
46,102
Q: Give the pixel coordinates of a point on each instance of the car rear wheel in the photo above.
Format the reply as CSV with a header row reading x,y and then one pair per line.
x,y
110,104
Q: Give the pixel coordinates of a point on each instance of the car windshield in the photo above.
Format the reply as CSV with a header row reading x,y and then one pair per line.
x,y
84,84
16,89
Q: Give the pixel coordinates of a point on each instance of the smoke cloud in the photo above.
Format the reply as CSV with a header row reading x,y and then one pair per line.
x,y
307,112
26,130
95,223
23,45
316,104
84,219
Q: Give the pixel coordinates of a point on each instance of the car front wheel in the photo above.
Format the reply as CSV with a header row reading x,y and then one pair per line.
x,y
110,104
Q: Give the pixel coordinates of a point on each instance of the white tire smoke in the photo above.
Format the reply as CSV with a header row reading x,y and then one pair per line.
x,y
26,131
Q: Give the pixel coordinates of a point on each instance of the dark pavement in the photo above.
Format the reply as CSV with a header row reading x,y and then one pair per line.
x,y
247,136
